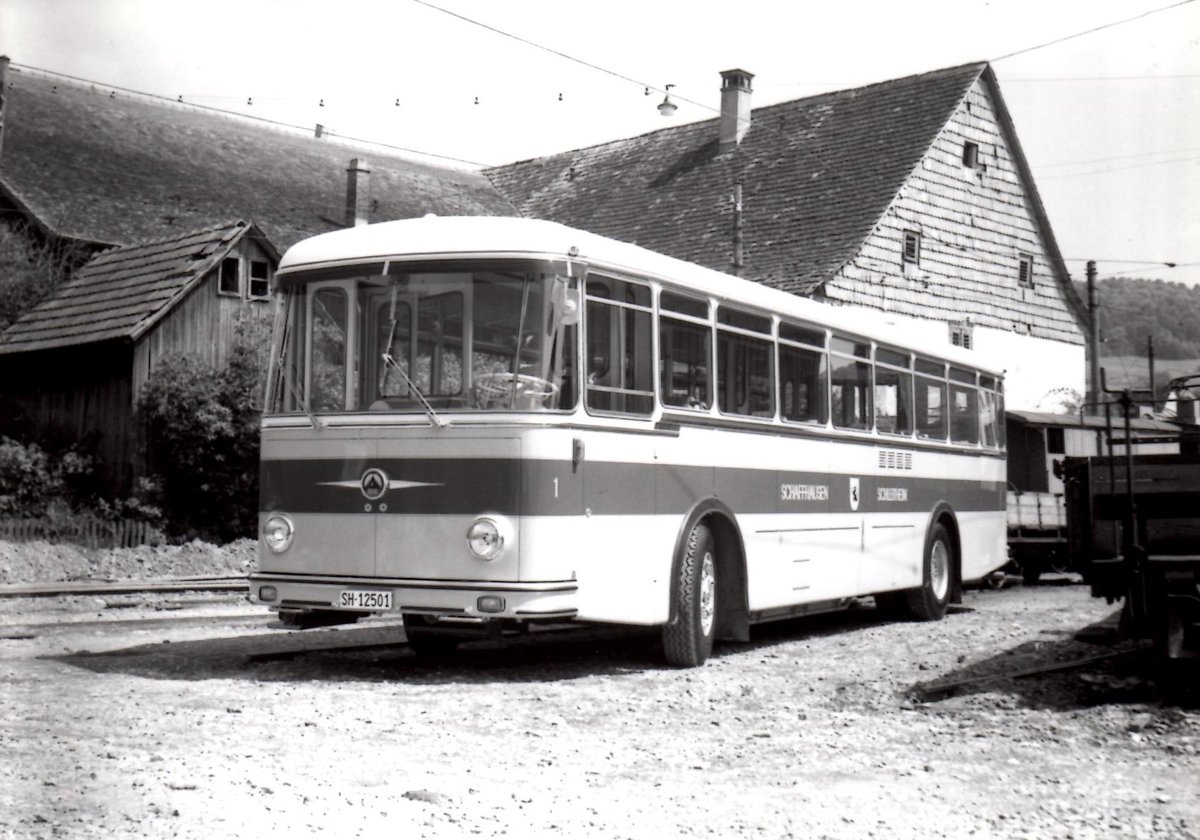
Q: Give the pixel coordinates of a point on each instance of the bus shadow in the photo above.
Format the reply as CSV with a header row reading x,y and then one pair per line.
x,y
380,654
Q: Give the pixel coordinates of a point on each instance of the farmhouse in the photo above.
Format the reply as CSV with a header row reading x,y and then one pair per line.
x,y
911,196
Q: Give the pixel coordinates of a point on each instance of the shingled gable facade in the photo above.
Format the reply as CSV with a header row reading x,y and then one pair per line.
x,y
911,196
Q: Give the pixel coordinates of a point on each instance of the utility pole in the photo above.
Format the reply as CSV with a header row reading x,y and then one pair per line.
x,y
1150,356
1093,396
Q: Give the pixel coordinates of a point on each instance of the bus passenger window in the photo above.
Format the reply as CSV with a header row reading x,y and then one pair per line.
x,y
893,401
990,418
745,379
328,365
964,414
893,392
850,384
686,349
620,363
803,375
931,408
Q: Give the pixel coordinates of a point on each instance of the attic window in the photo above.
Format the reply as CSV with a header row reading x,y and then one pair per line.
x,y
970,155
912,247
260,280
961,335
230,282
1025,270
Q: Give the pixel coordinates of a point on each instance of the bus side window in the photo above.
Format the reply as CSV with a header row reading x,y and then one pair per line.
x,y
745,381
804,375
850,383
620,363
964,414
686,349
931,399
893,392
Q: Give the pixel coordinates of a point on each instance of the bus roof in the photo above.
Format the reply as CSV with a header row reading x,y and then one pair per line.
x,y
508,236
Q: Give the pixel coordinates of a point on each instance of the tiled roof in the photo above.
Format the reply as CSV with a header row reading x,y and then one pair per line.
x,y
118,169
122,292
816,174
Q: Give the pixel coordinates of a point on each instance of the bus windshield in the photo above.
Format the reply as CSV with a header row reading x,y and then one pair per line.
x,y
438,336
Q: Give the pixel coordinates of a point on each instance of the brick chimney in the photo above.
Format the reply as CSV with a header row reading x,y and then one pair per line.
x,y
358,192
735,108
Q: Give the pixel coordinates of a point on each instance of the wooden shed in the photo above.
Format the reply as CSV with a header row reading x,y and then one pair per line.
x,y
73,367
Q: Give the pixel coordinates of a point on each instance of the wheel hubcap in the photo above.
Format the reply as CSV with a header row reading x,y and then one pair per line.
x,y
939,569
708,593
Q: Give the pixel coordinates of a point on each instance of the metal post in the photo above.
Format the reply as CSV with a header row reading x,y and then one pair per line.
x,y
1093,340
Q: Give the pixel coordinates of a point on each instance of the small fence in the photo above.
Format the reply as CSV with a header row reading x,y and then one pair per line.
x,y
90,533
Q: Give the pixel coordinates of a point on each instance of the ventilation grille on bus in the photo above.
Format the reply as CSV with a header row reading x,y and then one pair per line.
x,y
890,459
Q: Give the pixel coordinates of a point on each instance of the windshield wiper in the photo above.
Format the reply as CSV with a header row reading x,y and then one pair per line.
x,y
433,415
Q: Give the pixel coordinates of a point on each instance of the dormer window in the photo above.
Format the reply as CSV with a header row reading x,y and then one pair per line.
x,y
1025,270
912,248
230,280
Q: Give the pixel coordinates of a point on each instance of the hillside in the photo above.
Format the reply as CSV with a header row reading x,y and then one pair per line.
x,y
1132,309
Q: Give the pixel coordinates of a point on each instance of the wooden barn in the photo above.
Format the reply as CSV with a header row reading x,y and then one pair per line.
x,y
911,196
74,365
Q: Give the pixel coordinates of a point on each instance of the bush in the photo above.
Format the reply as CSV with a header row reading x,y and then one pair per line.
x,y
202,425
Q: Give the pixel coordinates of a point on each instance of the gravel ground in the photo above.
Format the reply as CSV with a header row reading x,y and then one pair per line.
x,y
201,717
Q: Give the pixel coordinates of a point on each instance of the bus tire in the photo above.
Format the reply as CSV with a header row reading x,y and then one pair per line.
x,y
687,639
928,602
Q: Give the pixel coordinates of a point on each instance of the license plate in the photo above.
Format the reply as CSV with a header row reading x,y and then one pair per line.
x,y
364,599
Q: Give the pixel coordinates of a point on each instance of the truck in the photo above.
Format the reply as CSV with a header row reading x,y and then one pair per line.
x,y
1133,532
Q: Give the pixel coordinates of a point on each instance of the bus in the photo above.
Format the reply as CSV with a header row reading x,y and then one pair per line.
x,y
487,424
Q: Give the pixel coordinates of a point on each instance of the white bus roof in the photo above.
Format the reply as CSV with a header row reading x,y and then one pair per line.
x,y
490,236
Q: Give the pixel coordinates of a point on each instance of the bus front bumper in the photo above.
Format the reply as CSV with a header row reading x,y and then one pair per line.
x,y
468,598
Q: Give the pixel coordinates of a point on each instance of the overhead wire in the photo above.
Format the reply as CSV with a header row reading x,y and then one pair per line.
x,y
1091,31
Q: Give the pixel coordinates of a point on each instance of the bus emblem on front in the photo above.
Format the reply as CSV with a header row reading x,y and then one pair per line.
x,y
374,484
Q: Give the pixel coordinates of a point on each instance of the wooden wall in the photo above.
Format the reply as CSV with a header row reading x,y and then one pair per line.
x,y
974,224
74,395
205,323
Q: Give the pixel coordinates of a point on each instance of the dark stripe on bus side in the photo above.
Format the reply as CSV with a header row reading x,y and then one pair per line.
x,y
552,488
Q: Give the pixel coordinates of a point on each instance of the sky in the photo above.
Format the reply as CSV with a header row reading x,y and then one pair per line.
x,y
1108,119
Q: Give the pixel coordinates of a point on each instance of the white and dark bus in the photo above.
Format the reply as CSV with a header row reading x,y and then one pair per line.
x,y
484,424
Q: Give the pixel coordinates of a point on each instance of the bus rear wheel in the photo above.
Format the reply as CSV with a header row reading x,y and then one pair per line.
x,y
928,602
687,638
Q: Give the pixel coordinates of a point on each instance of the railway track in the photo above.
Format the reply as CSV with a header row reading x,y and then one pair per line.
x,y
52,589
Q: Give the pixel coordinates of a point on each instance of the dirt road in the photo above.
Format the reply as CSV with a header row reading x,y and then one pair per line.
x,y
200,718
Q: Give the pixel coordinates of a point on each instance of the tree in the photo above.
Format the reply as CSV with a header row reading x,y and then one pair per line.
x,y
203,428
30,271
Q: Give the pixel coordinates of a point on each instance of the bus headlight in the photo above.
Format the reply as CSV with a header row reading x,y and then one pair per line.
x,y
278,532
485,539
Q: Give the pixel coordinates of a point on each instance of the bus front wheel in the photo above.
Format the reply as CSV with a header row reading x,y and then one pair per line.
x,y
687,638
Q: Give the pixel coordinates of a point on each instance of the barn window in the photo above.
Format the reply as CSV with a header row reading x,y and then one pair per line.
x,y
912,247
970,155
230,282
1025,270
260,279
